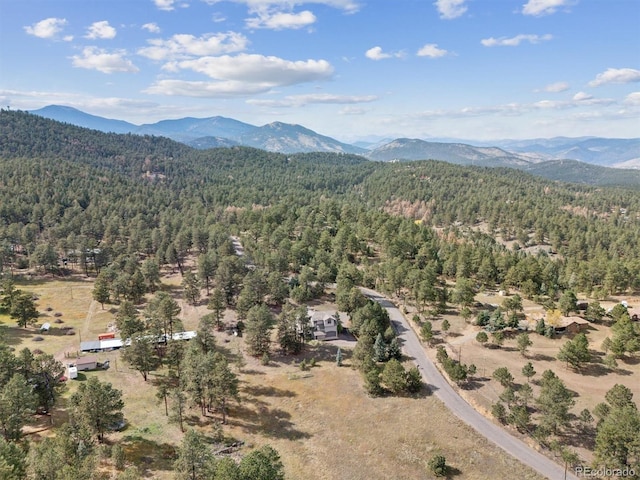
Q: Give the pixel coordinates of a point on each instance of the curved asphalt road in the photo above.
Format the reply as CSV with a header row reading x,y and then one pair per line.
x,y
443,390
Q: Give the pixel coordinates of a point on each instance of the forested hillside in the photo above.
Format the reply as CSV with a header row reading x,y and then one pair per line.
x,y
73,189
120,209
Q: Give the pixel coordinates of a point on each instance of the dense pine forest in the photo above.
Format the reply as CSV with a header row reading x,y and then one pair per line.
x,y
121,208
67,190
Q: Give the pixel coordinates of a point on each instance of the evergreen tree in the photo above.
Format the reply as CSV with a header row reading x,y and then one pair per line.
x,y
99,405
101,290
263,463
380,349
394,376
216,305
554,402
258,330
17,404
290,329
575,352
195,461
191,285
594,312
524,342
503,376
528,371
141,354
23,309
222,384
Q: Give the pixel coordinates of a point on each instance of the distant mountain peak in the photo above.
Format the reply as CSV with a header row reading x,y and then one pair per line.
x,y
292,138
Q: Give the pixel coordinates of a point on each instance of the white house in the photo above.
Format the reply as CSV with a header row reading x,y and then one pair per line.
x,y
324,325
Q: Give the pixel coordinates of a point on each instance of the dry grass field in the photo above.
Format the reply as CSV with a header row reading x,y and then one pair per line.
x,y
321,421
588,384
65,301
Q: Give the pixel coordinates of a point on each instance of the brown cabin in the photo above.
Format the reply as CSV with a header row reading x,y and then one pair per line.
x,y
572,325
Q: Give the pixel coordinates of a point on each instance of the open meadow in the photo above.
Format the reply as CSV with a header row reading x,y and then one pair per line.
x,y
321,421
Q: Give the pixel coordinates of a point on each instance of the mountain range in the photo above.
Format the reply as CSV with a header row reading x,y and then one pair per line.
x,y
534,155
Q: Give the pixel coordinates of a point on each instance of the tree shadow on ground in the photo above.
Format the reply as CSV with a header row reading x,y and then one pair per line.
x,y
630,360
148,455
473,384
251,371
198,420
595,370
541,357
266,391
579,436
265,421
452,472
16,335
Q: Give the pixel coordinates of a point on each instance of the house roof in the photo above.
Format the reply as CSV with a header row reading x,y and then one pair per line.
x,y
110,343
566,321
86,360
324,315
90,345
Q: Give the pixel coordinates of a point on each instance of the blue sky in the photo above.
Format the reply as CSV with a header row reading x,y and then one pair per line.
x,y
350,69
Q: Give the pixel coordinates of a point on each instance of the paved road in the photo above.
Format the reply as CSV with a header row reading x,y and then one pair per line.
x,y
443,390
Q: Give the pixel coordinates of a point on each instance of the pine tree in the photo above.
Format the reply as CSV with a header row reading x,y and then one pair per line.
x,y
380,349
258,330
524,342
528,371
195,460
191,285
216,305
575,352
99,404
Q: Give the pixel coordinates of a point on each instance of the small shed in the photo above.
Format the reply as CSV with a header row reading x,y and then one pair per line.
x,y
45,327
72,371
105,336
86,363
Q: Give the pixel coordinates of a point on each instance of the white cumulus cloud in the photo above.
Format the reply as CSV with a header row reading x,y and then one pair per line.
x,y
166,5
582,96
101,30
254,68
282,20
47,28
376,53
538,8
450,9
633,99
241,75
94,58
515,41
616,75
557,87
151,27
182,46
349,6
431,50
